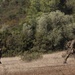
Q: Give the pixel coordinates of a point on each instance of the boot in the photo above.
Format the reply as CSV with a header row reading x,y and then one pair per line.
x,y
0,62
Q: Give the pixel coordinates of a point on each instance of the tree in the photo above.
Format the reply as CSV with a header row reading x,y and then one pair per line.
x,y
53,30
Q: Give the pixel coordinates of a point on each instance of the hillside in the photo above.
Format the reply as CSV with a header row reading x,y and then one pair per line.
x,y
12,11
32,27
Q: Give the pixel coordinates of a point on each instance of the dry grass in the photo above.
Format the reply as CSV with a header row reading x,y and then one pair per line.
x,y
48,70
50,64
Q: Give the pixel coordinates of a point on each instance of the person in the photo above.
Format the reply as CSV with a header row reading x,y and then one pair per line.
x,y
0,55
0,50
68,44
70,49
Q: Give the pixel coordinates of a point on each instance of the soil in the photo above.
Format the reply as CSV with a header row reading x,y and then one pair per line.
x,y
50,64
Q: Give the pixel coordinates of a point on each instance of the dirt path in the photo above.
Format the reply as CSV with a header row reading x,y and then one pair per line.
x,y
51,64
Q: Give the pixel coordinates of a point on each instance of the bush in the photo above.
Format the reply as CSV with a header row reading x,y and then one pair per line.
x,y
31,56
53,30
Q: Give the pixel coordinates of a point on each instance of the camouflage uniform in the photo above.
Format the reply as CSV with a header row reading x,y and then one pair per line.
x,y
71,49
0,50
68,44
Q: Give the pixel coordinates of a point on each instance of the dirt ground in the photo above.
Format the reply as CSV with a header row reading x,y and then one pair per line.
x,y
50,64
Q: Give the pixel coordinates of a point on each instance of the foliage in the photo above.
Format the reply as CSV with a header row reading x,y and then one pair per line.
x,y
31,56
53,28
13,10
35,26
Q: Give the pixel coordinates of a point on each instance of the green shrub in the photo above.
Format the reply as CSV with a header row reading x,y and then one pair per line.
x,y
30,56
53,30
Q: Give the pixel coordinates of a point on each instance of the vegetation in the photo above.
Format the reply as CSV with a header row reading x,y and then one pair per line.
x,y
36,25
31,56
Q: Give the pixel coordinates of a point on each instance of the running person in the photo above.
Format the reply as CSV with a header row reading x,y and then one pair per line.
x,y
71,49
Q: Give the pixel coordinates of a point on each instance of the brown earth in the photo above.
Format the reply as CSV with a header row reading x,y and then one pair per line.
x,y
50,64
